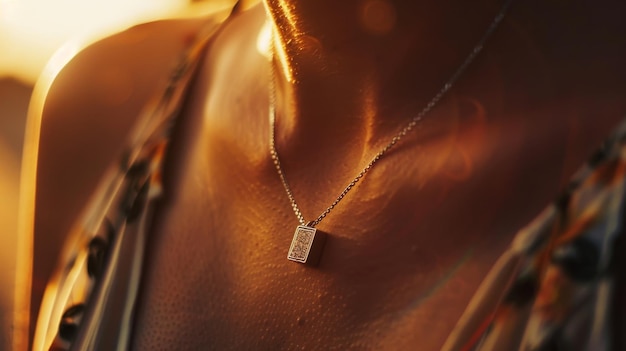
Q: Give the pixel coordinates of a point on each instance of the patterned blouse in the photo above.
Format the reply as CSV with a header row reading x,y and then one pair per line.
x,y
553,289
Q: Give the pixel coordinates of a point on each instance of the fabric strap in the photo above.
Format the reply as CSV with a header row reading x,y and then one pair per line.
x,y
94,311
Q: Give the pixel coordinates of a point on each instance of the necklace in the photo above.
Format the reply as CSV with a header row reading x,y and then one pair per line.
x,y
307,243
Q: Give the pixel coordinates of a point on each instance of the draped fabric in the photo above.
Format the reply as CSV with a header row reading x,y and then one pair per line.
x,y
553,289
89,302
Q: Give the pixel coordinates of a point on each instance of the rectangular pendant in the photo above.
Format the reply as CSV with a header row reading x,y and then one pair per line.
x,y
306,245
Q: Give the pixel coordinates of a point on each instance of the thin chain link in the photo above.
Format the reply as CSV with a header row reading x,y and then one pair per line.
x,y
403,132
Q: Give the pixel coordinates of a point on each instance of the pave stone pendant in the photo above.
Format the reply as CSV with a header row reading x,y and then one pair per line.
x,y
307,245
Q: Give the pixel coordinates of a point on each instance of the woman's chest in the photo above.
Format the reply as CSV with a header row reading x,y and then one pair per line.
x,y
232,287
399,265
217,272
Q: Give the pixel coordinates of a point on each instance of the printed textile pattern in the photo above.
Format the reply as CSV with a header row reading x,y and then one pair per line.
x,y
554,288
89,301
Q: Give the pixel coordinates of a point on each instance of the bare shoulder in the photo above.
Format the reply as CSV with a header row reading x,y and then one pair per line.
x,y
92,103
83,114
96,96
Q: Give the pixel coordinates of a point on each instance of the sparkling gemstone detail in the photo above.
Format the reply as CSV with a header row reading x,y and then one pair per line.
x,y
301,244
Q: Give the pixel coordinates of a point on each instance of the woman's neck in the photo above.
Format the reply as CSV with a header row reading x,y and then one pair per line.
x,y
363,68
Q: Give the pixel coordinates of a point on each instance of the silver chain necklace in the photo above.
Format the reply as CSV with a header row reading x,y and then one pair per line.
x,y
307,242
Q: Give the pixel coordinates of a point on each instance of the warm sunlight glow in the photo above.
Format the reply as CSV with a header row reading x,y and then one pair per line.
x,y
263,40
378,16
31,30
